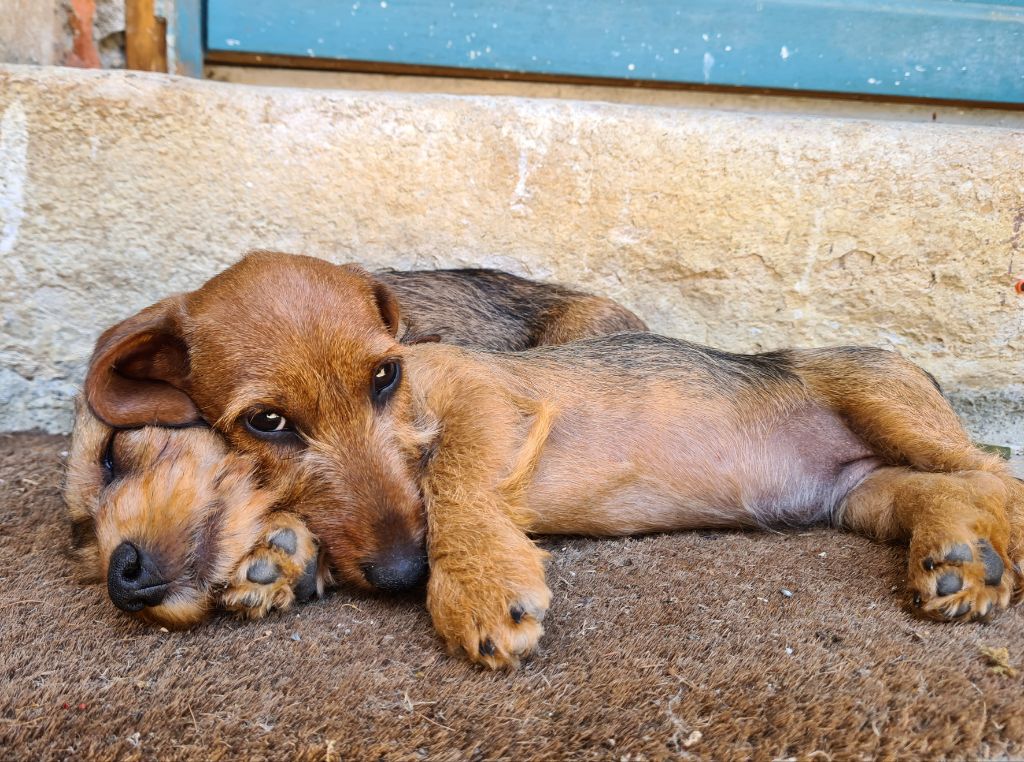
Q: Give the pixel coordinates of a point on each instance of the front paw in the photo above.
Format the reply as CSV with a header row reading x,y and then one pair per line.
x,y
282,569
491,611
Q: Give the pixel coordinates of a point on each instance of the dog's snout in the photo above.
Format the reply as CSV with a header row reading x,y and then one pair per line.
x,y
397,569
133,579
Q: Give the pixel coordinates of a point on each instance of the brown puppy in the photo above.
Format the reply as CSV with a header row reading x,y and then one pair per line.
x,y
172,519
631,433
639,433
176,524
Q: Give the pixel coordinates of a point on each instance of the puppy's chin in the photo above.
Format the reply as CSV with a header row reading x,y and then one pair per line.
x,y
183,609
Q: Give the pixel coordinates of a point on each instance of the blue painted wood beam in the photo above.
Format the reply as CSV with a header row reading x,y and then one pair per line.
x,y
187,28
946,49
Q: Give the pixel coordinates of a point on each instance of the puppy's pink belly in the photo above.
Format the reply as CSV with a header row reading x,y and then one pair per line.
x,y
735,500
793,471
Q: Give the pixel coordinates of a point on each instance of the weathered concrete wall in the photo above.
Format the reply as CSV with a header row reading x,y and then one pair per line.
x,y
746,232
688,98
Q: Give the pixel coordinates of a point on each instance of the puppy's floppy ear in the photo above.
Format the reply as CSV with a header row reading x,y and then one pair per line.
x,y
139,372
387,305
383,296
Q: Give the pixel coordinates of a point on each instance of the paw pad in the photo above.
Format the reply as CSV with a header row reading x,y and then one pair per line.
x,y
305,588
285,540
281,569
960,554
263,572
992,562
961,581
964,608
948,583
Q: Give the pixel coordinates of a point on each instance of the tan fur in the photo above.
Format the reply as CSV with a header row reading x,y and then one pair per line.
x,y
628,434
945,493
129,387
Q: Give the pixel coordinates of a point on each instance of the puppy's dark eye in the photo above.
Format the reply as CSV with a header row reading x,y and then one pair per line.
x,y
108,462
385,379
267,422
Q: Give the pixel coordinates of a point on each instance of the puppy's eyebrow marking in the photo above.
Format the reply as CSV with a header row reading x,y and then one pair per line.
x,y
429,338
244,399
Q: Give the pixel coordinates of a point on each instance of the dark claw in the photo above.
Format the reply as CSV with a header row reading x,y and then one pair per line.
x,y
286,540
487,647
993,563
517,613
948,584
262,572
305,588
250,600
928,564
959,554
964,608
917,599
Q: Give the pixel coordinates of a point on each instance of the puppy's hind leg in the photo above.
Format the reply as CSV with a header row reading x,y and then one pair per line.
x,y
958,532
959,507
893,406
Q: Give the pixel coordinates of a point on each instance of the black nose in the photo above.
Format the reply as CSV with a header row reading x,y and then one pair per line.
x,y
397,569
133,580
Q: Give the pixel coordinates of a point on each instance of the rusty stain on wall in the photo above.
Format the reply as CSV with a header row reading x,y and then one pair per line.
x,y
84,53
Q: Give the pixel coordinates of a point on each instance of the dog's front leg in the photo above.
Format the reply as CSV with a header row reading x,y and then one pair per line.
x,y
487,595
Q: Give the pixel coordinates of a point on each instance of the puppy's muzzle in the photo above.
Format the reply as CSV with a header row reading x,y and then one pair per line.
x,y
397,569
133,580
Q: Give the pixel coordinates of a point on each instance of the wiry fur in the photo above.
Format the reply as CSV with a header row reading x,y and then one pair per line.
x,y
179,493
636,433
624,434
174,497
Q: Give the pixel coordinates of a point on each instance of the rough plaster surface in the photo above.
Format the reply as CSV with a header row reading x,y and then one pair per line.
x,y
748,232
